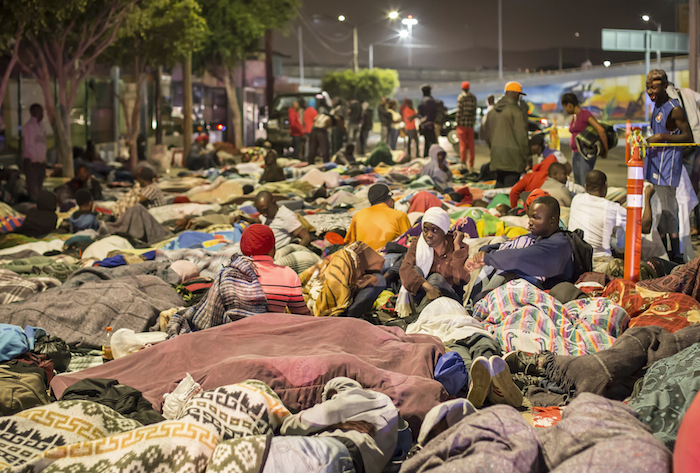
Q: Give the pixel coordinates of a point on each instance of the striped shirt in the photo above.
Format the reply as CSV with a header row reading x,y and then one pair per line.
x,y
154,196
281,285
466,109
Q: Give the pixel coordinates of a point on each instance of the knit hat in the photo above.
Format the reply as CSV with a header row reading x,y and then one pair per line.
x,y
378,193
534,195
257,239
465,85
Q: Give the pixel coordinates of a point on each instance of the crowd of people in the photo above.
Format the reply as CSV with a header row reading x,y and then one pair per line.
x,y
511,278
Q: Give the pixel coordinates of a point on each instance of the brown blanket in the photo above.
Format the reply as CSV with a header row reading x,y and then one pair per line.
x,y
295,355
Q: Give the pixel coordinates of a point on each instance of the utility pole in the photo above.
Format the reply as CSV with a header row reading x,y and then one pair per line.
x,y
355,52
693,47
647,62
500,39
269,73
301,58
371,57
658,53
187,104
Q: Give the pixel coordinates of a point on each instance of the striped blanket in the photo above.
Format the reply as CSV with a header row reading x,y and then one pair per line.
x,y
522,317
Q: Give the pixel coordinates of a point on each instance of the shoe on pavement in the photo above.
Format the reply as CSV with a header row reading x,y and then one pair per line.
x,y
503,389
523,380
528,363
480,376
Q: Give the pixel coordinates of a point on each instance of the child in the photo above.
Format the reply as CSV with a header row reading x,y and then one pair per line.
x,y
151,195
83,218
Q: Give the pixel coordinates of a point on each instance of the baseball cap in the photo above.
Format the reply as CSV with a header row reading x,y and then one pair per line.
x,y
657,74
514,87
465,85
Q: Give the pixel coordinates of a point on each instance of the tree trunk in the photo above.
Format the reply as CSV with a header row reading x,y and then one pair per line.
x,y
63,139
159,124
234,110
269,72
133,133
187,105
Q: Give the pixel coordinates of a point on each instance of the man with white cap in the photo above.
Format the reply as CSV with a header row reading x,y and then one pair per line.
x,y
466,116
505,132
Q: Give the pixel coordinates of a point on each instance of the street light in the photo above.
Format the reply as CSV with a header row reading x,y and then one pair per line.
x,y
410,22
341,17
393,15
403,33
607,63
647,19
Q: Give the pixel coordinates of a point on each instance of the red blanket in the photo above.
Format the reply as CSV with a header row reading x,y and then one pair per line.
x,y
295,355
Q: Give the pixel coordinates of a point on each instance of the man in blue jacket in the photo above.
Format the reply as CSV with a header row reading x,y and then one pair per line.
x,y
543,257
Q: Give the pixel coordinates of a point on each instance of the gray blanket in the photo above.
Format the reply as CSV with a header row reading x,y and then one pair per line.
x,y
595,434
147,268
82,313
139,223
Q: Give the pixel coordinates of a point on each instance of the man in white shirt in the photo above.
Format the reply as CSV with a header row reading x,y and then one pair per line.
x,y
34,151
284,223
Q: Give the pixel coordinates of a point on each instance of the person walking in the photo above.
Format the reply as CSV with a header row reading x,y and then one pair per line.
x,y
384,120
581,120
396,121
466,117
367,124
310,114
427,111
409,118
296,128
354,122
319,144
34,151
506,134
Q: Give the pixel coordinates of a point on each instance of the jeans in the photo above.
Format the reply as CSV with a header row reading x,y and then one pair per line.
x,y
364,134
35,173
440,283
430,139
364,300
384,134
412,136
393,137
477,345
582,167
297,144
466,142
354,134
319,145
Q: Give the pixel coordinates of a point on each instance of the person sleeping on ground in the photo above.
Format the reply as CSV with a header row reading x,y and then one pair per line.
x,y
41,220
380,223
434,265
281,285
543,257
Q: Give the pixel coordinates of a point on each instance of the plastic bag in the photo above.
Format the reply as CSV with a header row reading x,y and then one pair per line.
x,y
56,349
124,342
175,400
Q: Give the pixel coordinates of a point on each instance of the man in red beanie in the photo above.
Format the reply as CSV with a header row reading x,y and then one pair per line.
x,y
281,284
466,116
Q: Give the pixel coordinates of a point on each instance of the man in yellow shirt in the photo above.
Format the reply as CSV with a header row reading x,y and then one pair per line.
x,y
380,223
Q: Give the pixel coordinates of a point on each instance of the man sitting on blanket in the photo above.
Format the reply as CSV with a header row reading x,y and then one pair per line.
x,y
284,223
542,257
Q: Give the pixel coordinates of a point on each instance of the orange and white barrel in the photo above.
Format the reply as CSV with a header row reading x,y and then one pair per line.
x,y
635,200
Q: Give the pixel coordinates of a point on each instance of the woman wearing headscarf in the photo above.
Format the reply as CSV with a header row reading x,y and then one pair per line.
x,y
437,168
273,171
350,421
41,220
434,264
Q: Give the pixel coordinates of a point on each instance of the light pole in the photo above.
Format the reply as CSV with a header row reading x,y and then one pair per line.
x,y
410,22
647,19
355,48
500,39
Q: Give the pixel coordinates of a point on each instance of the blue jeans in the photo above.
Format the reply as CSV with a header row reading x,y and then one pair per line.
x,y
582,167
393,137
364,300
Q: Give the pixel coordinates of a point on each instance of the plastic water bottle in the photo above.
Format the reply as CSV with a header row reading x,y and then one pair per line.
x,y
107,347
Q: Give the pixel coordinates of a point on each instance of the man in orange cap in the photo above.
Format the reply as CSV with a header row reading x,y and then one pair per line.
x,y
505,132
466,116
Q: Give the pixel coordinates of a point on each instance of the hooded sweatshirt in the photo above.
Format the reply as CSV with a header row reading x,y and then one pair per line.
x,y
506,134
442,179
532,180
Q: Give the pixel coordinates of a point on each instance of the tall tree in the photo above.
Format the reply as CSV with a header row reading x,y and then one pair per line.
x,y
15,16
364,85
156,33
236,27
64,41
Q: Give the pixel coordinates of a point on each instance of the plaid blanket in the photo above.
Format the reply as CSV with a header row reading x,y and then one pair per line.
x,y
235,294
209,263
14,288
522,317
85,436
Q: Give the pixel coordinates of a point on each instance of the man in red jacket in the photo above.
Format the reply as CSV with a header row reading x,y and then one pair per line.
x,y
296,129
310,114
532,180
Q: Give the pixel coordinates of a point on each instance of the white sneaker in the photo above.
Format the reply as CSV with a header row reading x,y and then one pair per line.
x,y
480,377
503,389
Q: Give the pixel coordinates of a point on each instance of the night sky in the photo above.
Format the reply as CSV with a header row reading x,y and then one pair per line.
x,y
463,34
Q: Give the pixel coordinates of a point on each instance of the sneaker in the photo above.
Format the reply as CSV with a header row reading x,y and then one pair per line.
x,y
503,389
528,363
480,376
523,380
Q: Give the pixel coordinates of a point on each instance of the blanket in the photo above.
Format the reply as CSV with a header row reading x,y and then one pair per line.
x,y
236,293
43,266
665,393
295,355
209,263
84,436
139,223
15,288
162,271
81,313
595,434
523,317
685,280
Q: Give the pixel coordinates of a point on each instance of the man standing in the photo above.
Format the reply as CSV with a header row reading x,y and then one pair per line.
x,y
427,111
466,116
384,119
367,124
309,116
354,122
34,151
506,135
296,128
663,165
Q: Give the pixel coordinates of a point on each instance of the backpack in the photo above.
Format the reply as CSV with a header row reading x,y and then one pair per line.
x,y
22,386
582,252
589,143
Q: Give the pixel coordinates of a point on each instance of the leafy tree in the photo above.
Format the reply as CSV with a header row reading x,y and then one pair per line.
x,y
156,33
14,17
236,27
64,40
365,85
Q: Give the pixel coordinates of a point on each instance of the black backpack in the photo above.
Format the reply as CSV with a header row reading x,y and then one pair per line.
x,y
582,252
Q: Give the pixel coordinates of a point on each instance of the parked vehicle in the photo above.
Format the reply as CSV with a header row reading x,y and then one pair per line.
x,y
277,123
